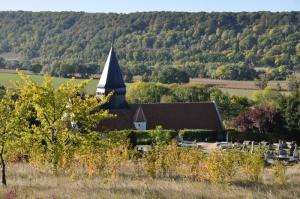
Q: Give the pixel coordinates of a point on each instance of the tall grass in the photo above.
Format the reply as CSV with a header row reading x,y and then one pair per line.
x,y
165,172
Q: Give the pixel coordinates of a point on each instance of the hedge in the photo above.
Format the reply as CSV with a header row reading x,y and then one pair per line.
x,y
198,135
143,137
234,135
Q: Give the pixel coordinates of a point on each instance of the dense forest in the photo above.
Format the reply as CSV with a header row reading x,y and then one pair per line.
x,y
214,45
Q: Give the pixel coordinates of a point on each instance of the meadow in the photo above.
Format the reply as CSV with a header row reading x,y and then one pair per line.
x,y
25,181
238,88
8,79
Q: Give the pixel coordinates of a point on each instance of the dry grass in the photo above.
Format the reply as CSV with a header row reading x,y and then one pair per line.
x,y
250,85
26,182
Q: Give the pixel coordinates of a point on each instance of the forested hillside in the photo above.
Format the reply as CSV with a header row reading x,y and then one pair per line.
x,y
215,45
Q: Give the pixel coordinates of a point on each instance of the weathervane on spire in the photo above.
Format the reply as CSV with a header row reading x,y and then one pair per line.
x,y
113,33
112,40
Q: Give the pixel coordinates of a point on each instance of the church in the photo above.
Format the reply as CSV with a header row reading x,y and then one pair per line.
x,y
175,116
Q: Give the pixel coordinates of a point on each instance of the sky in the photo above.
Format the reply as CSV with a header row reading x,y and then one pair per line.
x,y
127,6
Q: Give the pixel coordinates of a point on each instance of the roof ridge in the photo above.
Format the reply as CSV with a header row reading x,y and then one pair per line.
x,y
204,102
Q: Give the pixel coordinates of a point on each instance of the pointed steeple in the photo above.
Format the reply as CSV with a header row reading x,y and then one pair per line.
x,y
111,78
112,81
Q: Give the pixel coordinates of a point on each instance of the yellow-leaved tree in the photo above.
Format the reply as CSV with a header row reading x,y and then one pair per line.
x,y
14,120
63,117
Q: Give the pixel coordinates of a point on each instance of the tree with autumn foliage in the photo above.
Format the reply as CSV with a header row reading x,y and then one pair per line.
x,y
13,123
63,117
290,109
263,119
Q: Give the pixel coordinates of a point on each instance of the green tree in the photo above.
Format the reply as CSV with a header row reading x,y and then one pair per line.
x,y
268,96
13,122
2,91
36,68
290,108
168,75
63,115
2,62
66,70
141,92
262,82
293,83
222,100
188,93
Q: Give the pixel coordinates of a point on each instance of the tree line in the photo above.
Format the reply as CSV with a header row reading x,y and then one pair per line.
x,y
268,111
215,45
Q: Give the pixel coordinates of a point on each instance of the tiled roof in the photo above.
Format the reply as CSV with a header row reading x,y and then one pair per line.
x,y
176,116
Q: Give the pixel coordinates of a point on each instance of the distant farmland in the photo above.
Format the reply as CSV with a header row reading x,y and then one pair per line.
x,y
7,79
233,84
239,88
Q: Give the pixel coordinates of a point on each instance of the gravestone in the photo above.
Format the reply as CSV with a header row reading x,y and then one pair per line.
x,y
296,153
292,149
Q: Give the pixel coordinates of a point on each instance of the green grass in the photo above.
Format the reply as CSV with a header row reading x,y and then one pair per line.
x,y
8,79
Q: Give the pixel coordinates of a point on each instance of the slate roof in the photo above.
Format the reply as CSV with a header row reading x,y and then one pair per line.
x,y
111,77
203,115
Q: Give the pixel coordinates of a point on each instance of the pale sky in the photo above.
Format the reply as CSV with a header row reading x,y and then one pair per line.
x,y
126,6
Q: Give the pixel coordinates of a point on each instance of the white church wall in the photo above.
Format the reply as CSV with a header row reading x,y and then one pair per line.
x,y
140,126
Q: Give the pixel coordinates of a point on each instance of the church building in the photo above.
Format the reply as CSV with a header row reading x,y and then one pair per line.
x,y
176,116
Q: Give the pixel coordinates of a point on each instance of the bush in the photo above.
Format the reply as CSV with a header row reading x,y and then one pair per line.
x,y
279,172
234,135
135,137
252,165
198,135
220,167
160,136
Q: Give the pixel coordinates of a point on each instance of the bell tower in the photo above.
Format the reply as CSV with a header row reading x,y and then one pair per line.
x,y
112,81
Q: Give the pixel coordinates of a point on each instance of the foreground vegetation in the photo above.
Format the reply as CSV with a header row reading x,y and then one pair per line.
x,y
27,181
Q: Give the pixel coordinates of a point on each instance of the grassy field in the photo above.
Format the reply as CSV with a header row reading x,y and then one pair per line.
x,y
244,92
239,88
8,79
27,182
233,84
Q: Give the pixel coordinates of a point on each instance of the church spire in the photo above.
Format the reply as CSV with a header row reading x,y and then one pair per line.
x,y
112,81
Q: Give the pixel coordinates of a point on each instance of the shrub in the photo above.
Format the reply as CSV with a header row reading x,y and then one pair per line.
x,y
220,167
279,171
234,135
151,163
160,136
198,134
252,165
193,161
157,135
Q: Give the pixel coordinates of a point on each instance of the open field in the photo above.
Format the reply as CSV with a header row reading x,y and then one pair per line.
x,y
233,84
239,88
239,92
244,92
7,79
12,56
27,182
